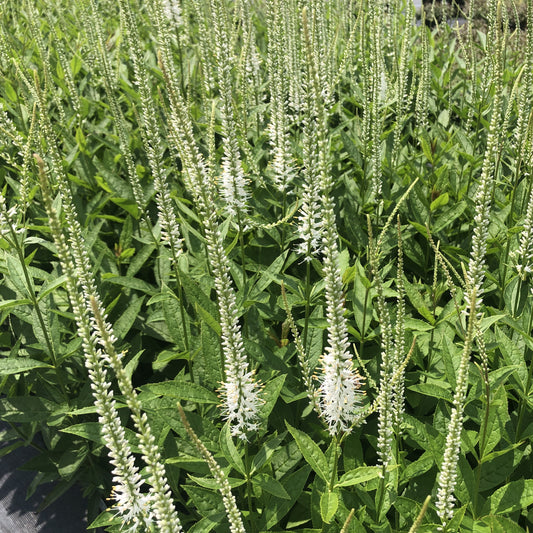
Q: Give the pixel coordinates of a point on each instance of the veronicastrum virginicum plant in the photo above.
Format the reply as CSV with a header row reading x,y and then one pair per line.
x,y
206,245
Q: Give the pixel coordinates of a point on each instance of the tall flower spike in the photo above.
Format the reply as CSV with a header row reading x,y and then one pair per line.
x,y
339,382
473,291
96,43
385,400
151,135
131,504
278,128
233,183
160,494
524,255
166,517
399,340
230,504
315,149
240,391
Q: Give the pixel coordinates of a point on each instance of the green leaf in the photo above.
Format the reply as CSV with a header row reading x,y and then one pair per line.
x,y
10,92
105,519
329,503
514,496
426,148
205,500
277,508
88,430
268,276
265,453
499,377
47,288
207,523
26,409
202,304
440,201
270,485
359,475
213,484
70,461
126,320
444,118
173,321
270,395
80,139
418,301
16,365
140,258
208,360
448,215
311,452
16,276
424,463
512,357
496,524
493,427
362,301
182,390
8,304
432,389
131,283
230,451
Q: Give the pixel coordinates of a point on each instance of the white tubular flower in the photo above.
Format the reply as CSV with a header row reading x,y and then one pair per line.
x,y
340,383
309,224
240,392
525,250
126,475
233,187
474,279
172,10
170,231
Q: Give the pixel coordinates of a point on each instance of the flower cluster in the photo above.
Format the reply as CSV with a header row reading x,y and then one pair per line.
x,y
340,383
240,391
474,279
126,475
525,250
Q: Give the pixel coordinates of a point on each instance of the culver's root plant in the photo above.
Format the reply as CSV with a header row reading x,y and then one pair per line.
x,y
270,268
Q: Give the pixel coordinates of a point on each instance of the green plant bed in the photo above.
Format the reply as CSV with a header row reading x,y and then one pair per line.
x,y
266,266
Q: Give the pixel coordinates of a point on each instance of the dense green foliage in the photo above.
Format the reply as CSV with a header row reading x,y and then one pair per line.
x,y
409,132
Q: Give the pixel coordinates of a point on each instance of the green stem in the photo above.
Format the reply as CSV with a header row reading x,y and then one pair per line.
x,y
307,298
249,488
381,493
363,328
508,245
183,320
482,442
241,242
335,464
